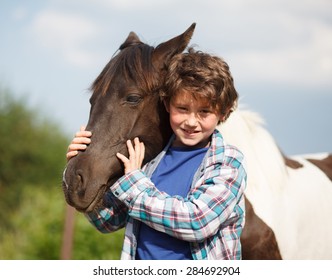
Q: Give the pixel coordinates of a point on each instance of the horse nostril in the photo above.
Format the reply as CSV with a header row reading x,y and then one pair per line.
x,y
80,184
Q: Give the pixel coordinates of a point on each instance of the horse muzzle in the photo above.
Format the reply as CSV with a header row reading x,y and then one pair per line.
x,y
77,195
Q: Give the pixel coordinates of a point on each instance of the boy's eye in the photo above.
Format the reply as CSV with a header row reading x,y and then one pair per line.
x,y
180,108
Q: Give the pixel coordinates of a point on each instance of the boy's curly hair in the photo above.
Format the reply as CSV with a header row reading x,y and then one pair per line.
x,y
203,75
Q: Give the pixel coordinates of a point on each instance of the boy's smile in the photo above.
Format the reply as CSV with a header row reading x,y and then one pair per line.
x,y
193,120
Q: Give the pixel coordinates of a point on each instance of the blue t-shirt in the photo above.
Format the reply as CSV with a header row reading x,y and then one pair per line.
x,y
174,176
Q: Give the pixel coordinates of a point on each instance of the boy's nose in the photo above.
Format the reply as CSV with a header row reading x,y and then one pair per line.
x,y
191,120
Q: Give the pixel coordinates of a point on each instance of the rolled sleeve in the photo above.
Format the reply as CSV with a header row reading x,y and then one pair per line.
x,y
130,186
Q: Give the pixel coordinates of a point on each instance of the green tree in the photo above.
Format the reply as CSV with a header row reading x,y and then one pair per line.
x,y
31,146
32,205
32,151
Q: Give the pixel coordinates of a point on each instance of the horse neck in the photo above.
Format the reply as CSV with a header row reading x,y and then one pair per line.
x,y
265,165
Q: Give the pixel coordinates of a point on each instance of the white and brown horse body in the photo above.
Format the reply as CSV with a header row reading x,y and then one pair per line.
x,y
291,196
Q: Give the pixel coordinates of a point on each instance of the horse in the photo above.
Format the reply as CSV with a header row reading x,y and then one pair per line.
x,y
125,103
292,195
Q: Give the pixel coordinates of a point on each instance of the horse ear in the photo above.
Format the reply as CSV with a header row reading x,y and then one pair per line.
x,y
132,39
163,52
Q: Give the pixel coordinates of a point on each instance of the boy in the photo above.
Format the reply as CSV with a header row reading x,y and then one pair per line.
x,y
187,203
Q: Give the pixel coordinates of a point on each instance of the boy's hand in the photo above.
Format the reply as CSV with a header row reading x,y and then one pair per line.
x,y
79,143
136,155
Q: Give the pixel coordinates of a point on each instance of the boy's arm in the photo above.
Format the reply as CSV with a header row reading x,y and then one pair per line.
x,y
109,218
212,202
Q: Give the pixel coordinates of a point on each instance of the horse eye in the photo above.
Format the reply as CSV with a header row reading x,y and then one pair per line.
x,y
133,99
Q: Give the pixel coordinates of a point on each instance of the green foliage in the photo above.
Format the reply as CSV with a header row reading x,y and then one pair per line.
x,y
32,151
31,148
36,225
91,244
37,230
32,205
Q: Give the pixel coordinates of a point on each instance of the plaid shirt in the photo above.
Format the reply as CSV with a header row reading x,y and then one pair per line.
x,y
211,217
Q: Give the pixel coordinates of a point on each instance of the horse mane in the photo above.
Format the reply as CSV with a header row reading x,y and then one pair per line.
x,y
134,63
265,163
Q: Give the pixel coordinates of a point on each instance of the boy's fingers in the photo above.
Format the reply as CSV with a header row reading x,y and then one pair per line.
x,y
84,133
71,154
75,147
79,143
81,140
142,152
123,158
136,141
137,150
131,149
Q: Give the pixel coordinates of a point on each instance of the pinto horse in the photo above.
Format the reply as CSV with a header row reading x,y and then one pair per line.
x,y
287,210
292,195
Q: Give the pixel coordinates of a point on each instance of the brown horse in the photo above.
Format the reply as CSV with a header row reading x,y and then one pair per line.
x,y
125,103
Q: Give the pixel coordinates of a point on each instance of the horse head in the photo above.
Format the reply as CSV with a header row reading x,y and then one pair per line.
x,y
125,104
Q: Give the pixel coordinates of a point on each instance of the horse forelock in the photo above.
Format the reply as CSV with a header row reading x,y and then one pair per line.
x,y
133,63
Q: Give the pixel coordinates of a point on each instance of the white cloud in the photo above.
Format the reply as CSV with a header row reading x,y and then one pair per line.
x,y
68,34
296,48
279,41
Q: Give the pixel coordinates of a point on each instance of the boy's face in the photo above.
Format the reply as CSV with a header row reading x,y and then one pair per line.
x,y
192,120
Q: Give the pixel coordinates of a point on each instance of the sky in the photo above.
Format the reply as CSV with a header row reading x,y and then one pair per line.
x,y
279,53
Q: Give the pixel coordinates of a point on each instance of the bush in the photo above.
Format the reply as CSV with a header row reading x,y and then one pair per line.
x,y
32,205
37,230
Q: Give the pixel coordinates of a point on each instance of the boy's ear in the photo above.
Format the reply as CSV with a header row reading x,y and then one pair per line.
x,y
222,119
166,103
